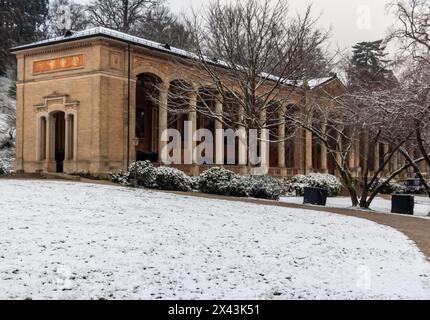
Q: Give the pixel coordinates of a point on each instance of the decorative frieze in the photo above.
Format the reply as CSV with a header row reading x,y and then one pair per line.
x,y
58,64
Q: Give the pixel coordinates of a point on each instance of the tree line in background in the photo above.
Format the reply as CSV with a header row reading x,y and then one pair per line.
x,y
384,111
23,21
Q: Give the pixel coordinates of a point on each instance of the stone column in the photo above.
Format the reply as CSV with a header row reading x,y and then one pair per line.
x,y
41,141
352,157
162,121
401,161
50,138
395,162
75,137
376,157
68,134
411,152
324,162
243,157
219,136
298,150
264,145
422,165
357,154
192,117
339,150
281,144
308,151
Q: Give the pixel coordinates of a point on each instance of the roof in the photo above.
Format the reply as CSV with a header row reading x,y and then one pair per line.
x,y
117,35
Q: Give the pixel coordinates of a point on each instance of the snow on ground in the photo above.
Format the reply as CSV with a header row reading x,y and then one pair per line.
x,y
68,240
7,156
421,208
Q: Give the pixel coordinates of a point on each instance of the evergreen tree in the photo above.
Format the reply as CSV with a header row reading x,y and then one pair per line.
x,y
368,65
21,21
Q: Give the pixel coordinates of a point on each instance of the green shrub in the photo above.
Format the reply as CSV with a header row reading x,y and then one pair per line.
x,y
144,173
121,177
223,182
391,187
328,182
172,179
265,187
195,183
3,170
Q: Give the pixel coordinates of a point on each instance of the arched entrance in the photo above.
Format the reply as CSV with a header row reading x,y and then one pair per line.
x,y
59,139
147,94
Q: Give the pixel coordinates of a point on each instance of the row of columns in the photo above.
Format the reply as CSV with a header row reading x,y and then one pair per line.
x,y
242,149
219,137
303,140
46,137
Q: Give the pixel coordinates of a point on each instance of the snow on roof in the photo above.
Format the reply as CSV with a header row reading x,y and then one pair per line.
x,y
101,31
313,83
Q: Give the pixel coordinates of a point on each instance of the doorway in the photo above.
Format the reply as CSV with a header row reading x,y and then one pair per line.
x,y
60,140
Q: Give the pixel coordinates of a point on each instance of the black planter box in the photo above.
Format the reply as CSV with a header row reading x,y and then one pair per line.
x,y
402,203
315,196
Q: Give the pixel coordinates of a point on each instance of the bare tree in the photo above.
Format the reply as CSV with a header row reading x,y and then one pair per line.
x,y
412,33
121,15
412,28
358,130
238,48
161,25
67,15
413,97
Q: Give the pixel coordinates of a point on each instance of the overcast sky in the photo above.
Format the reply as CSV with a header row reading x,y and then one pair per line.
x,y
351,20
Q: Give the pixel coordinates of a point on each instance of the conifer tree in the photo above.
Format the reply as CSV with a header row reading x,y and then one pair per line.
x,y
368,65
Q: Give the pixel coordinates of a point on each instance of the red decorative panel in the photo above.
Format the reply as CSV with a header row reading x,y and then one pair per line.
x,y
58,64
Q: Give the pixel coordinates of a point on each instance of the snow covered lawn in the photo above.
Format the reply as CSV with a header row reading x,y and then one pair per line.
x,y
421,209
81,241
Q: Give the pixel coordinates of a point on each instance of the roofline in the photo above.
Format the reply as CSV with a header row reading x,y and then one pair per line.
x,y
18,49
151,45
335,77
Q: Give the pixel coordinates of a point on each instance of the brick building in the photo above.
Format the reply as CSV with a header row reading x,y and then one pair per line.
x,y
83,106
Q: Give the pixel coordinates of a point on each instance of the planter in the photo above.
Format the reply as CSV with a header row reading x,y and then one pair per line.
x,y
402,203
315,196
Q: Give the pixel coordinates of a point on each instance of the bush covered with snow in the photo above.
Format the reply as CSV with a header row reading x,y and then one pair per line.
x,y
265,187
195,183
149,176
3,169
223,182
391,187
121,177
172,179
328,182
216,180
7,125
144,173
